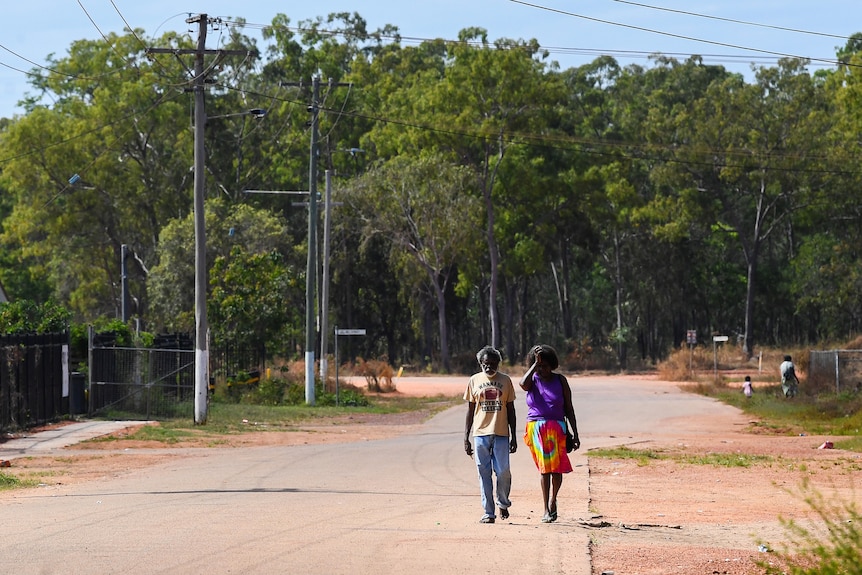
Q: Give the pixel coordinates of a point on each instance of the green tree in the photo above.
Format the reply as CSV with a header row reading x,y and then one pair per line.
x,y
253,301
102,167
26,316
748,159
171,282
425,209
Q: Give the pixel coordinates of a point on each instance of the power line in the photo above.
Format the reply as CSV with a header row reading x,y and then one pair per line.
x,y
625,149
672,35
734,21
564,50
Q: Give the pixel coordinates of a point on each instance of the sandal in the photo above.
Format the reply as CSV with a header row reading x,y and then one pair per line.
x,y
546,518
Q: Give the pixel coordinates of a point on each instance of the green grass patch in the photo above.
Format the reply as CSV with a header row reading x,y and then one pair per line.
x,y
645,456
8,481
642,456
236,418
851,444
164,433
726,459
823,414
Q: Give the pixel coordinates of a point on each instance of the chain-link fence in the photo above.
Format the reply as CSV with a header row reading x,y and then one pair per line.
x,y
837,371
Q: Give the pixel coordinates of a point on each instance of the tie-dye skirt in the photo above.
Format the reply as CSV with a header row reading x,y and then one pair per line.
x,y
546,439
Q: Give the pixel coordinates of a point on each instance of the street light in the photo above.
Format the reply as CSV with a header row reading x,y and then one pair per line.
x,y
256,113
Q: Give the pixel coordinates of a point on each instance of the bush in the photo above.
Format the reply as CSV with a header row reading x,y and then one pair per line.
x,y
348,396
378,375
833,547
270,391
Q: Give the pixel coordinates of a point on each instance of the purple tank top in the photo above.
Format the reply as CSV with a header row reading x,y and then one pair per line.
x,y
545,399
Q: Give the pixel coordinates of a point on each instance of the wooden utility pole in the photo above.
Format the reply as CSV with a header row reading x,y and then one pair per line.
x,y
201,283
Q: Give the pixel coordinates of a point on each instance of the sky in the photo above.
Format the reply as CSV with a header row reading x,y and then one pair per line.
x,y
733,33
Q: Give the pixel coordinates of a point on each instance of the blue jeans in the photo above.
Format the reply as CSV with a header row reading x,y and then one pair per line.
x,y
491,452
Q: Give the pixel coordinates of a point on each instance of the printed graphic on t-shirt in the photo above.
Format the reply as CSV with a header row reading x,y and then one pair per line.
x,y
489,399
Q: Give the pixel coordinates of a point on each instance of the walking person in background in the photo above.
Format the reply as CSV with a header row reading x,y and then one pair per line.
x,y
746,387
552,431
490,398
789,381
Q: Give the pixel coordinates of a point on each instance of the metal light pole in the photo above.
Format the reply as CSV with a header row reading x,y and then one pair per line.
x,y
324,288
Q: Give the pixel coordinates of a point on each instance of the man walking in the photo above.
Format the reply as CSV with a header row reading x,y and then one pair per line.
x,y
490,398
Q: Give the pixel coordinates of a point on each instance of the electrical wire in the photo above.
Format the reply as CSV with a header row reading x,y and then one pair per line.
x,y
733,21
107,41
614,149
563,50
131,30
125,119
672,35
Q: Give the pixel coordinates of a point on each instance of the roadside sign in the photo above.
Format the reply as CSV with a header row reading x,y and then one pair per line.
x,y
691,337
349,332
719,338
337,333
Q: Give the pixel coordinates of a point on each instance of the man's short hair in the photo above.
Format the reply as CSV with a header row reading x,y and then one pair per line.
x,y
489,350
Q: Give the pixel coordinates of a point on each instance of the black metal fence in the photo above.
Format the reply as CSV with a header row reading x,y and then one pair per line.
x,y
141,383
36,385
152,384
34,379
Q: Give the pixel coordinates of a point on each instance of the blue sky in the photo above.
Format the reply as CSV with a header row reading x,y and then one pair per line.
x,y
576,31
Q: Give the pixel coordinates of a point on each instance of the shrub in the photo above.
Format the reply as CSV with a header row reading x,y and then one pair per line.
x,y
378,375
270,391
832,547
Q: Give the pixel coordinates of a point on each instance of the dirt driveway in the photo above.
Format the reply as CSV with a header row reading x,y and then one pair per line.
x,y
710,489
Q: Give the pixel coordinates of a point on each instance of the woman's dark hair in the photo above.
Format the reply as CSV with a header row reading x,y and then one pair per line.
x,y
547,353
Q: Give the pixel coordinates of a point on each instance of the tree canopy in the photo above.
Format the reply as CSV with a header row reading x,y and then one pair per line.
x,y
481,195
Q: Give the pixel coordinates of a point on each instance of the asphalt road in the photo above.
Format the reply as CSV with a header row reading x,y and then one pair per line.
x,y
404,505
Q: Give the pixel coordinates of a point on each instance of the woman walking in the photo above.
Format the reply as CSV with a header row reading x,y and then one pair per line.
x,y
552,431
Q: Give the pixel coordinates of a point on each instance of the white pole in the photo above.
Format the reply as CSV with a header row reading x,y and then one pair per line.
x,y
201,351
324,289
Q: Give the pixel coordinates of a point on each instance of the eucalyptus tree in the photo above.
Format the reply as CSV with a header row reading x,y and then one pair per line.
x,y
238,235
105,164
825,276
745,158
470,102
423,206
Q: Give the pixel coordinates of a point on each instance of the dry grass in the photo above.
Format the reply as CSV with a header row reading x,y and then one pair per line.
x,y
728,362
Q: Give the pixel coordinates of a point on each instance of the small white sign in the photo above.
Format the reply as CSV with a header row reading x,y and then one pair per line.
x,y
719,338
350,332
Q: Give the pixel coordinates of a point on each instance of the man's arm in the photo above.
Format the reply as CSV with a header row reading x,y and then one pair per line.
x,y
513,437
468,428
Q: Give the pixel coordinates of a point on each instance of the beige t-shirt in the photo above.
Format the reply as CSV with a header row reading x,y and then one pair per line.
x,y
490,396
